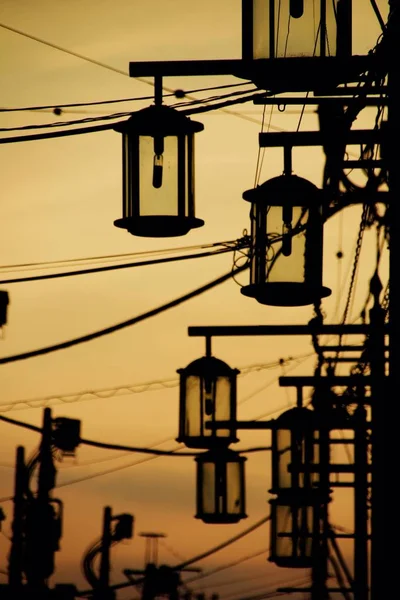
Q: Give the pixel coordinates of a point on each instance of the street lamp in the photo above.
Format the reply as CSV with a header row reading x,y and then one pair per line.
x,y
295,451
158,172
286,242
295,28
207,394
220,486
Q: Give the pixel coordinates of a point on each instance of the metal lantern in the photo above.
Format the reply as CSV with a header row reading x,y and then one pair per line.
x,y
295,451
294,530
220,486
158,173
286,242
207,395
295,28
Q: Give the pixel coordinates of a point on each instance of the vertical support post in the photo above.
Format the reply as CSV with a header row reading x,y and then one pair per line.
x,y
319,574
208,345
361,566
378,403
158,90
46,478
385,442
16,552
104,578
287,160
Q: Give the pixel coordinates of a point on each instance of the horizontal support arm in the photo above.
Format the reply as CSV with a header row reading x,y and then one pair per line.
x,y
250,330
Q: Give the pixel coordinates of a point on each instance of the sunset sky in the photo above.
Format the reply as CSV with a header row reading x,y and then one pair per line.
x,y
59,200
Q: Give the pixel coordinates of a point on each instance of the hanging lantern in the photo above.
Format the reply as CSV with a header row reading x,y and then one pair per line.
x,y
317,29
295,451
220,486
286,242
294,529
158,173
207,395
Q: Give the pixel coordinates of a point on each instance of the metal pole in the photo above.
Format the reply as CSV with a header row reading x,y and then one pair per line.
x,y
361,566
104,578
16,552
378,405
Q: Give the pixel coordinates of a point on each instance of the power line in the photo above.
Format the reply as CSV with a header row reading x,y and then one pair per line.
x,y
223,545
120,100
106,257
128,389
227,566
119,326
93,270
107,117
72,53
108,126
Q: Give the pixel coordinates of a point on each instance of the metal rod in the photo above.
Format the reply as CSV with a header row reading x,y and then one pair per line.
x,y
250,330
310,101
16,553
104,577
361,562
158,90
315,138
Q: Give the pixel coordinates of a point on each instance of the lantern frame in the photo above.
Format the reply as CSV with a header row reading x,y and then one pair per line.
x,y
294,467
171,133
295,529
220,481
289,192
207,375
260,30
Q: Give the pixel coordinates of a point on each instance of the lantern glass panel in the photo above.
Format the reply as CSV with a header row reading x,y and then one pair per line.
x,y
303,36
289,268
234,504
206,401
296,450
162,198
208,488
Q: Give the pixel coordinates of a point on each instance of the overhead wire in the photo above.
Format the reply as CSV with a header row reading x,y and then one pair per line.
x,y
106,257
122,325
126,389
104,269
120,100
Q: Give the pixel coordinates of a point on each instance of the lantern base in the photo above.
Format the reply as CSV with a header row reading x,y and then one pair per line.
x,y
285,293
207,443
290,562
158,226
220,519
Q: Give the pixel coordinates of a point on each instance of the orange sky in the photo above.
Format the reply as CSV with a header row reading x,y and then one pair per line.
x,y
59,200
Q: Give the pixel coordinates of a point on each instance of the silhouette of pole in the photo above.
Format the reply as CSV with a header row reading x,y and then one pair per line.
x,y
15,563
319,572
361,560
104,592
378,394
41,527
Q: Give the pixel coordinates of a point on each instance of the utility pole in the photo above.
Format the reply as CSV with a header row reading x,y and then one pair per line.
x,y
43,524
16,556
104,592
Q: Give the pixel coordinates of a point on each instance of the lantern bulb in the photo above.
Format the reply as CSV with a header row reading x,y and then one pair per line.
x,y
287,239
157,170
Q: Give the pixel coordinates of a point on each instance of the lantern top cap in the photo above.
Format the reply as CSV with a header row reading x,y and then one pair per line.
x,y
282,190
159,119
299,416
210,366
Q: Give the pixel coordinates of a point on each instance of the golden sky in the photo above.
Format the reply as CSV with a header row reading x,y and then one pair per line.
x,y
59,200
